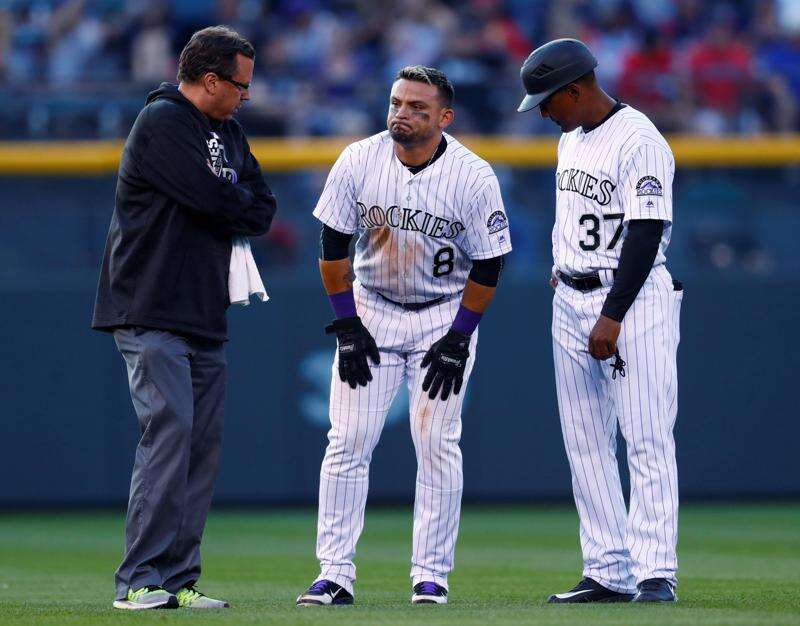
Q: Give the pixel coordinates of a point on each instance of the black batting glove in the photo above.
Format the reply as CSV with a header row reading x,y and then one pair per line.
x,y
355,345
447,359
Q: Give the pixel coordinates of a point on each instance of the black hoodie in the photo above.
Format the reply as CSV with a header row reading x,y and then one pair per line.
x,y
186,186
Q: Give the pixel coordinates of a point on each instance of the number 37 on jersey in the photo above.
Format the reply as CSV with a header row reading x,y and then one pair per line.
x,y
604,179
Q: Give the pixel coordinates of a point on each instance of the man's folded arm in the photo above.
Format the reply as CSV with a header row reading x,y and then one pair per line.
x,y
174,162
259,218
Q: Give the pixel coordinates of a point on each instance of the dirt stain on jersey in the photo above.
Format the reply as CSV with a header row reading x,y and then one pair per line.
x,y
413,251
381,237
384,246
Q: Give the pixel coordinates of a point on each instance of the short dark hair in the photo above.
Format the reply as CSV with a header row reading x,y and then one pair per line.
x,y
212,49
432,76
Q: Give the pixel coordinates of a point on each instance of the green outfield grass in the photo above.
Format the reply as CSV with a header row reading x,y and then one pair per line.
x,y
740,564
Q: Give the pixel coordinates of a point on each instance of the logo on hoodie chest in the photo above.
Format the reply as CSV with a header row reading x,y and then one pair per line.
x,y
217,160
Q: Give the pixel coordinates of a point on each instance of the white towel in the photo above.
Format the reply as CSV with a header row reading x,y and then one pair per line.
x,y
243,277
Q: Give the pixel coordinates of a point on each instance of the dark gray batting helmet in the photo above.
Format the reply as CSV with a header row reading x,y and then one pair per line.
x,y
551,66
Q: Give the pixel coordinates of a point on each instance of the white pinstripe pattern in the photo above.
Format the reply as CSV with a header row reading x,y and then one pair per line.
x,y
404,222
617,154
621,548
606,165
411,217
357,419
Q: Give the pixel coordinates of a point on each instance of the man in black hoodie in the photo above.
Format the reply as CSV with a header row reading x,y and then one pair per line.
x,y
187,185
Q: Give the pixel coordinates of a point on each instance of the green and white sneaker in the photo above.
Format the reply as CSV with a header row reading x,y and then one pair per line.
x,y
147,598
190,598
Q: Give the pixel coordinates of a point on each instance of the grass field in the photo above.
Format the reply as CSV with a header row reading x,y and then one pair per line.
x,y
740,564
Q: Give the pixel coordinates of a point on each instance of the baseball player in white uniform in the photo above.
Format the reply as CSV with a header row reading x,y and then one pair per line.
x,y
614,299
432,232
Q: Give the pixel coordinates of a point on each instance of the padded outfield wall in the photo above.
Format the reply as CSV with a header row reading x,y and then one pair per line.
x,y
67,429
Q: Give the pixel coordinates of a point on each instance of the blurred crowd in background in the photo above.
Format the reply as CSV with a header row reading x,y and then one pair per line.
x,y
81,68
73,69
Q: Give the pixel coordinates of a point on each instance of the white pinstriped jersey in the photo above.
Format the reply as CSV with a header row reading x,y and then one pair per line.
x,y
418,233
622,170
619,171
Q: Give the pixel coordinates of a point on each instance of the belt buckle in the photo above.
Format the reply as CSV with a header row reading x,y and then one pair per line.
x,y
579,282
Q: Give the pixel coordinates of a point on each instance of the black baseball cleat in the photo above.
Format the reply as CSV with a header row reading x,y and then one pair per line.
x,y
429,593
589,590
323,593
655,590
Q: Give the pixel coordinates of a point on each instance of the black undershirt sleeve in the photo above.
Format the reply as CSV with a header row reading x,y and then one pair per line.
x,y
636,259
486,272
333,245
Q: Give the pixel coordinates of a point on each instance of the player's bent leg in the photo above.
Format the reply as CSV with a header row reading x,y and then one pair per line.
x,y
647,398
436,432
437,499
589,428
357,419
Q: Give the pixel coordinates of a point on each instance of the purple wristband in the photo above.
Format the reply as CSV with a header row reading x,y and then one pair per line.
x,y
466,321
343,303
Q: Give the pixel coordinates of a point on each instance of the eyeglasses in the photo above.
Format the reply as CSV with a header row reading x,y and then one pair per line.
x,y
242,87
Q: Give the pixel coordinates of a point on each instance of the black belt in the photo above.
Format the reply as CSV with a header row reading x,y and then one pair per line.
x,y
581,282
413,306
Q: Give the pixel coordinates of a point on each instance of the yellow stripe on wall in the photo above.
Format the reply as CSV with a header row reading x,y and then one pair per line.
x,y
281,155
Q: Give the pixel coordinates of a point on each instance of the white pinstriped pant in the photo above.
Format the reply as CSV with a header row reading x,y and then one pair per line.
x,y
357,419
621,548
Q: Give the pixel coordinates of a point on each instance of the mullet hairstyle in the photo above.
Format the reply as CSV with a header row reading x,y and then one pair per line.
x,y
212,49
431,76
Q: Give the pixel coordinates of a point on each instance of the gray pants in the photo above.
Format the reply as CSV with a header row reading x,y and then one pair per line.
x,y
178,390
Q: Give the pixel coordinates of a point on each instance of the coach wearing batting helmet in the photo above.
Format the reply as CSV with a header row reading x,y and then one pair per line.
x,y
187,186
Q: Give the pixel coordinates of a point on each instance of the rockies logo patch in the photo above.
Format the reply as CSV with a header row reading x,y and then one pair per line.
x,y
497,221
649,186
